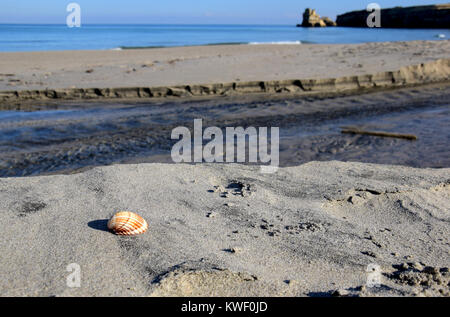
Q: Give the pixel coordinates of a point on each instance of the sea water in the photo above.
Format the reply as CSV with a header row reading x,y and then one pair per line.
x,y
21,37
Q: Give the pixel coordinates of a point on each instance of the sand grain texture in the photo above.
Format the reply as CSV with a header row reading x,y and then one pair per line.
x,y
304,231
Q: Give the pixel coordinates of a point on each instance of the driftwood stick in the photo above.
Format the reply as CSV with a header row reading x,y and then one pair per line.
x,y
379,133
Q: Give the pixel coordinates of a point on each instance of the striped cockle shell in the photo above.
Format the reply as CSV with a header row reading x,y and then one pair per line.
x,y
127,223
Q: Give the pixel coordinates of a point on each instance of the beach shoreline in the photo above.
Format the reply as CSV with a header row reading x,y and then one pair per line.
x,y
310,230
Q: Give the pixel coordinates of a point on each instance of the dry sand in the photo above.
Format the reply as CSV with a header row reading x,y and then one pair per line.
x,y
304,231
208,64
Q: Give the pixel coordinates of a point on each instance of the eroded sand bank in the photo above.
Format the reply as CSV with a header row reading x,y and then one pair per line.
x,y
219,70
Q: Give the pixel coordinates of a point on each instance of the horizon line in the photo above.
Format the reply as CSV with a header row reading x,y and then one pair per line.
x,y
63,24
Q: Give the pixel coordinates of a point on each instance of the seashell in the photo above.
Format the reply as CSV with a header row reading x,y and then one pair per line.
x,y
127,223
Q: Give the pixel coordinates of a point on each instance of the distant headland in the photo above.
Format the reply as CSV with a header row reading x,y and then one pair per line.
x,y
426,17
312,19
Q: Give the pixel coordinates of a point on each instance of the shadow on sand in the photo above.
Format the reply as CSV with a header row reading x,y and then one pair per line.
x,y
101,225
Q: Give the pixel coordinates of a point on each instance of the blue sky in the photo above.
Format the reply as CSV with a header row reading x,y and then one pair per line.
x,y
184,11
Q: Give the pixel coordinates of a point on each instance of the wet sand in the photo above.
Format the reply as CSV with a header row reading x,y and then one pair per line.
x,y
78,136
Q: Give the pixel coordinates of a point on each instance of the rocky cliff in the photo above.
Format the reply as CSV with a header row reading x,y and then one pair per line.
x,y
312,19
433,16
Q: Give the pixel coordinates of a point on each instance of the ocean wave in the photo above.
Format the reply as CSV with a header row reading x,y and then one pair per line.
x,y
209,44
276,43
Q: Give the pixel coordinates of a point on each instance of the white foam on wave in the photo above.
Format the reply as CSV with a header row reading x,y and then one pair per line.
x,y
276,43
441,36
117,49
